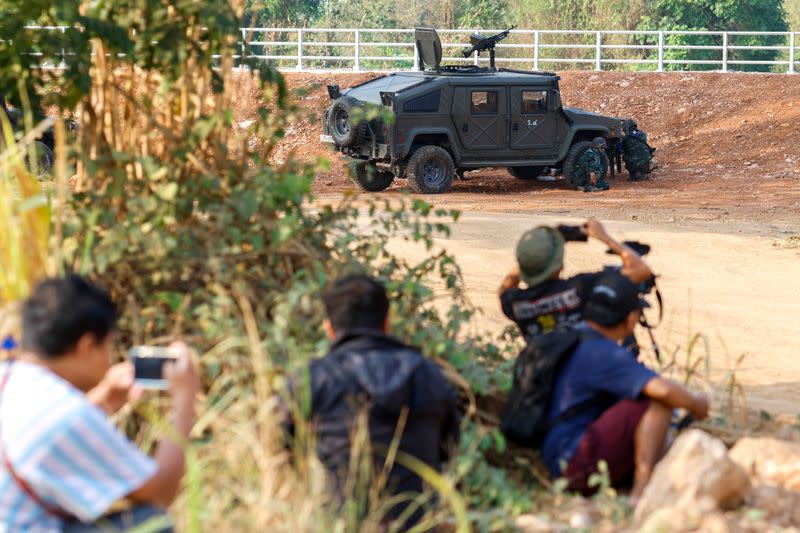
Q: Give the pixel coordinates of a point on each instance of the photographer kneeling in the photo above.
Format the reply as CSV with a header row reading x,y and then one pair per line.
x,y
64,464
550,303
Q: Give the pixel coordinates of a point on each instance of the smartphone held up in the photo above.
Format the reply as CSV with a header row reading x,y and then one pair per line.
x,y
148,365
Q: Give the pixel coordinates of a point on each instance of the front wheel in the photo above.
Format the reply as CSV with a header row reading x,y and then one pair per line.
x,y
368,176
431,170
579,163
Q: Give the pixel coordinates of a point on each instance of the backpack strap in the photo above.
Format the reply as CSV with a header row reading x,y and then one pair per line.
x,y
21,483
572,412
579,407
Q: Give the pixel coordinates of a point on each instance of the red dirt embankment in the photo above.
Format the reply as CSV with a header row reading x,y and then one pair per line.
x,y
728,144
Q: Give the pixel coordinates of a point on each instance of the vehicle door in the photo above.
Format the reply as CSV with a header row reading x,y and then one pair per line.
x,y
534,119
480,115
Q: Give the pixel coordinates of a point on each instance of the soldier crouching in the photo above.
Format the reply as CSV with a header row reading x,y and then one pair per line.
x,y
590,170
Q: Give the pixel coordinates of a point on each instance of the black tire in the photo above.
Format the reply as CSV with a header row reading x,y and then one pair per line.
x,y
573,155
526,173
369,177
430,170
45,159
340,122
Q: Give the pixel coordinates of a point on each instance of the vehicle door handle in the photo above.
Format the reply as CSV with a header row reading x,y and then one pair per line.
x,y
515,127
465,128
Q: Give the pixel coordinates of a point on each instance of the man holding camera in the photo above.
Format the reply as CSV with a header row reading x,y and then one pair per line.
x,y
64,464
549,303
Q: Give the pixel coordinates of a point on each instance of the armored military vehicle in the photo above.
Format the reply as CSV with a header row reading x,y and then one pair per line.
x,y
449,119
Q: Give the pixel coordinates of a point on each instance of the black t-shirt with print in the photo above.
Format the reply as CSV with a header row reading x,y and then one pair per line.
x,y
554,305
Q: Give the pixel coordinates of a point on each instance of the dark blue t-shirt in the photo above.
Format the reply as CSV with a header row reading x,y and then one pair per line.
x,y
600,370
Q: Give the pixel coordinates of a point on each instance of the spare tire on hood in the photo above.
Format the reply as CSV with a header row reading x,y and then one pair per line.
x,y
340,122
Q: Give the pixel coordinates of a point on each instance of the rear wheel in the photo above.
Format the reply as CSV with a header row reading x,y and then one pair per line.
x,y
574,173
430,170
368,176
526,173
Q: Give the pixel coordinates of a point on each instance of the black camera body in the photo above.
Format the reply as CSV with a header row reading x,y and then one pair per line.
x,y
572,233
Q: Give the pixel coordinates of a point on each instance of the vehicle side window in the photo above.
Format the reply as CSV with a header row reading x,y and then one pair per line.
x,y
534,102
484,102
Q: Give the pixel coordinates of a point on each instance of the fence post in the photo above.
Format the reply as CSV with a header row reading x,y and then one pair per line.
x,y
299,49
63,51
244,49
791,52
661,51
725,52
536,50
598,65
357,54
416,55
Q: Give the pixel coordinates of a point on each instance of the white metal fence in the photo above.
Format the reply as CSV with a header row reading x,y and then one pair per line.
x,y
393,49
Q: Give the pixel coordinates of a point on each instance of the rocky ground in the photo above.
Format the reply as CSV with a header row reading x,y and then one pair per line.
x,y
700,485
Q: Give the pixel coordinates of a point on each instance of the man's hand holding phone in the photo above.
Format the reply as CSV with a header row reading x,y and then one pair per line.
x,y
172,369
181,373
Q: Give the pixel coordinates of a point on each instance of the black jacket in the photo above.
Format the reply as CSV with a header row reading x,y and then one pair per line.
x,y
366,369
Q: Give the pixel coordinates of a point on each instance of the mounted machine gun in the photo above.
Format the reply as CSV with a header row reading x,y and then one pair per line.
x,y
479,44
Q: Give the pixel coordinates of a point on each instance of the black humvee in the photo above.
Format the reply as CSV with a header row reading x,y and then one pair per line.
x,y
449,119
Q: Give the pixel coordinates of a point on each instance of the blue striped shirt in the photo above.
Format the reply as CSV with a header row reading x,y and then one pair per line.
x,y
65,449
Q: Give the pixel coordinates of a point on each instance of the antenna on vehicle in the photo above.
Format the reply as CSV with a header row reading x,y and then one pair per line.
x,y
481,44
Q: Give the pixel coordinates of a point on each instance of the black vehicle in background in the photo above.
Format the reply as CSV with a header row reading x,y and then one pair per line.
x,y
449,119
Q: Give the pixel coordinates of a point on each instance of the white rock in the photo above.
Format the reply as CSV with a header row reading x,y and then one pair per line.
x,y
580,520
770,461
696,473
530,523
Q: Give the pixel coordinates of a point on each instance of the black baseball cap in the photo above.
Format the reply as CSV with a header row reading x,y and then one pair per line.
x,y
612,299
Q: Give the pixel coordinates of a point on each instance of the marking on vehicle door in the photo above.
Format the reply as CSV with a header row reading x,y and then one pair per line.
x,y
533,123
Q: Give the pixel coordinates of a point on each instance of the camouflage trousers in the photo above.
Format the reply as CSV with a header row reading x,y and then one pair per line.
x,y
589,164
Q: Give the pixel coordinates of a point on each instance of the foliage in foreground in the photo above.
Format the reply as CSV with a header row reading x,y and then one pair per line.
x,y
179,211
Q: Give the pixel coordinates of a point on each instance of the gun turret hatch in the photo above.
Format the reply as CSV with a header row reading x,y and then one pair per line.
x,y
429,48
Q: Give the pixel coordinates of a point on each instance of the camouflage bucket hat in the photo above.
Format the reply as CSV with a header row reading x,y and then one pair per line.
x,y
540,254
599,142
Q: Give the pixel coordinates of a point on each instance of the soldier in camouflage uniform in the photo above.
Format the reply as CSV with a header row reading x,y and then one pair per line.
x,y
590,168
636,153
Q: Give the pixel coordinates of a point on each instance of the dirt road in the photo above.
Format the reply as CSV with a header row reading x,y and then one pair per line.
x,y
741,291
